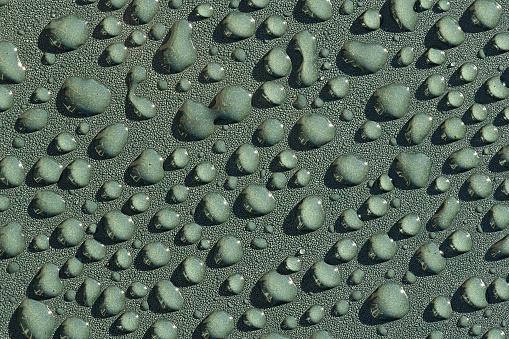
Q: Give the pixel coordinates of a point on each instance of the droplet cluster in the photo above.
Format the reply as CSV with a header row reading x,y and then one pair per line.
x,y
254,169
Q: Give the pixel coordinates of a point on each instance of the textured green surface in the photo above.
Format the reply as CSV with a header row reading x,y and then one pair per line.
x,y
280,226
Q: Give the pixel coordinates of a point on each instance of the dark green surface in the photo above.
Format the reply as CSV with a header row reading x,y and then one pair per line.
x,y
159,133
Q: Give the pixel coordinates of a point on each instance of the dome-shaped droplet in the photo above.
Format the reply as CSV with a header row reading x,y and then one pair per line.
x,y
118,226
217,325
486,13
87,97
47,204
431,258
12,240
270,132
32,120
110,141
277,289
163,329
479,186
91,289
441,307
238,25
310,214
147,168
409,225
193,270
111,301
277,63
168,296
70,232
11,69
349,169
464,159
68,32
47,283
449,31
257,200
314,130
122,259
228,251
155,255
12,173
93,250
389,302
381,247
35,319
350,220
74,328
324,275
368,57
473,293
414,168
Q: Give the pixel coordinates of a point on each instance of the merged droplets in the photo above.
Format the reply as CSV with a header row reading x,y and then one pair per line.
x,y
47,283
305,43
178,52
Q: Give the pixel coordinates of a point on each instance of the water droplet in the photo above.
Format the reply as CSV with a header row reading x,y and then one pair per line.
x,y
431,258
473,293
110,27
143,11
404,14
486,13
305,44
67,33
389,302
111,301
275,26
414,168
35,319
47,203
277,289
74,328
32,120
46,283
147,168
11,69
217,325
368,57
78,94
